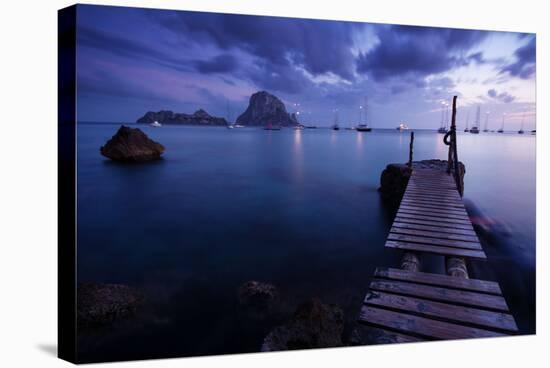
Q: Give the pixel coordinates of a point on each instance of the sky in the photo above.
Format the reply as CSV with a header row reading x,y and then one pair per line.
x,y
133,60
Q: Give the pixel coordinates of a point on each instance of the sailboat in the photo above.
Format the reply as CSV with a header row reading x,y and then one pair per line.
x,y
486,129
520,131
501,130
155,124
475,128
466,130
362,127
335,126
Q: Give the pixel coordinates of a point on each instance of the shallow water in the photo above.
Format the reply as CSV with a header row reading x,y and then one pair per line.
x,y
299,209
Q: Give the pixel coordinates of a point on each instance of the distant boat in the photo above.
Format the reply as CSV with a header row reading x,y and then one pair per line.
x,y
442,130
534,131
155,124
272,127
311,127
466,130
500,130
299,127
335,127
520,131
230,126
239,126
363,128
475,128
402,126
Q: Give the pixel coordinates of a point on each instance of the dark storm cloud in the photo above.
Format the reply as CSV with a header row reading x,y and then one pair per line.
x,y
504,97
419,51
125,47
317,46
525,65
224,63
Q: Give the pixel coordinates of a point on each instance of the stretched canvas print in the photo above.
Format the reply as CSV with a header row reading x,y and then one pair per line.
x,y
237,183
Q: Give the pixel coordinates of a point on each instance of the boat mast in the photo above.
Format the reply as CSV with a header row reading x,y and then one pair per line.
x,y
478,117
486,121
467,119
502,126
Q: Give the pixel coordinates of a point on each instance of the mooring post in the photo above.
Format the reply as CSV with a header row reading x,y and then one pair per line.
x,y
410,262
456,266
411,150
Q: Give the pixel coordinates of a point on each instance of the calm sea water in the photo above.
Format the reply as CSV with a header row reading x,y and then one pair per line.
x,y
299,209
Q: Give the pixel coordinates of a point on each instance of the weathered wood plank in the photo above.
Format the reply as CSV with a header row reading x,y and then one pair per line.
x,y
482,286
408,202
445,209
449,312
440,198
441,294
437,249
449,193
430,202
427,327
432,218
364,334
436,235
434,222
419,207
397,234
433,199
433,214
440,229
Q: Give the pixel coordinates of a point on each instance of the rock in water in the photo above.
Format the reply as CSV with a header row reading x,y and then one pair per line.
x,y
131,145
264,108
395,177
258,295
101,304
314,325
199,117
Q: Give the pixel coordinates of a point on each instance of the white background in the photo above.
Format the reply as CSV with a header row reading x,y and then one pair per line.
x,y
28,183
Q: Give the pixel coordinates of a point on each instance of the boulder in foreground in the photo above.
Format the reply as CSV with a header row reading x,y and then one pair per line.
x,y
314,325
103,304
258,295
131,145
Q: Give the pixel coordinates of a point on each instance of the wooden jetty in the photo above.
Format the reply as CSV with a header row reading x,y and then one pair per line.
x,y
406,305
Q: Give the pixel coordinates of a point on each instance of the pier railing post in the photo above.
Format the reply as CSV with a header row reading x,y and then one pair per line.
x,y
411,150
453,166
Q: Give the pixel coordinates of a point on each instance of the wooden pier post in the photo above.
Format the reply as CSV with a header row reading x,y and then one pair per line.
x,y
410,262
411,150
456,266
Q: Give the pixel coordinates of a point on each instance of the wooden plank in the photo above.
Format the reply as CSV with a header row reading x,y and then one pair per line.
x,y
430,197
434,222
433,213
450,230
432,193
449,312
434,234
441,294
482,286
364,334
441,198
430,202
434,199
446,192
437,249
432,205
426,327
431,218
398,235
452,211
428,186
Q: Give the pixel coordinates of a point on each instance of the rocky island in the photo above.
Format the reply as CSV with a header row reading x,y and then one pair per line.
x,y
263,109
199,117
